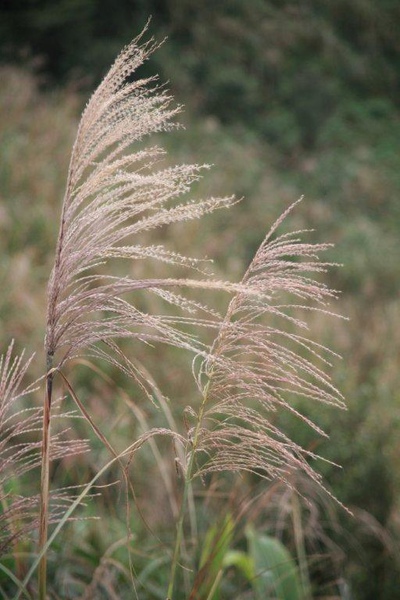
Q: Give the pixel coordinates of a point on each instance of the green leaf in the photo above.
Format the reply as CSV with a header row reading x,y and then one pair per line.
x,y
212,561
275,571
242,561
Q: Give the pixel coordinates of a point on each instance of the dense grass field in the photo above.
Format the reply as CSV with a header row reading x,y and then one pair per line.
x,y
351,198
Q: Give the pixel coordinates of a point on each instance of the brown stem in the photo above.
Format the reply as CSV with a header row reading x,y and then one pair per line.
x,y
44,486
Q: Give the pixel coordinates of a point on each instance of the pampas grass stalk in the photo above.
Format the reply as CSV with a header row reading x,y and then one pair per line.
x,y
116,190
44,483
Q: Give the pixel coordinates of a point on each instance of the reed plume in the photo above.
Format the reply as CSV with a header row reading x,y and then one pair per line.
x,y
256,366
20,449
18,452
116,191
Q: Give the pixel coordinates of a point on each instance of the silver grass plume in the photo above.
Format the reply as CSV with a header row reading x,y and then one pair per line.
x,y
114,193
20,449
257,366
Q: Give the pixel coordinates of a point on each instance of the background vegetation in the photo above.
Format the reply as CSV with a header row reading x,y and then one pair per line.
x,y
285,98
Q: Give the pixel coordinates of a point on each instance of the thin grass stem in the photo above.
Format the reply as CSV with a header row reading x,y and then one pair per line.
x,y
300,548
185,495
45,478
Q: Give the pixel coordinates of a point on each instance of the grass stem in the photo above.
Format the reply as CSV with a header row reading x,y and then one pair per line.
x,y
188,482
44,484
300,548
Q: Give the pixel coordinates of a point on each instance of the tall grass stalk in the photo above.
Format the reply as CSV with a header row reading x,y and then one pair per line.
x,y
44,484
300,547
116,191
189,472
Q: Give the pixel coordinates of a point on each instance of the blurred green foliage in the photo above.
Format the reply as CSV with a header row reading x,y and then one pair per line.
x,y
282,68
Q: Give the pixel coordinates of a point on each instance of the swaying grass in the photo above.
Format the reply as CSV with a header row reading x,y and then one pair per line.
x,y
258,362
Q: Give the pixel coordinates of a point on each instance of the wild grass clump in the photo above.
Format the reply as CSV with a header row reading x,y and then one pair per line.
x,y
258,362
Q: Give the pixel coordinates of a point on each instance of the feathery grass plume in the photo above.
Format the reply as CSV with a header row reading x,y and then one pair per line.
x,y
256,367
115,192
20,449
13,422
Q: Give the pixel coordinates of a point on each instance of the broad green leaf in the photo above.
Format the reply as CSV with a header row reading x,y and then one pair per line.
x,y
275,572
